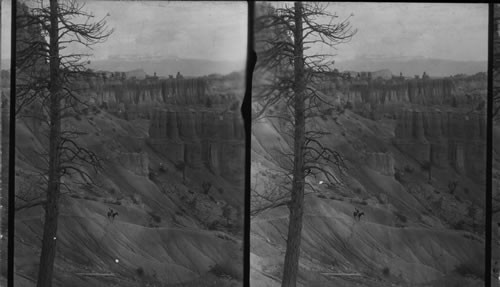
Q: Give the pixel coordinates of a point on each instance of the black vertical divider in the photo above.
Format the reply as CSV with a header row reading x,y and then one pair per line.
x,y
246,110
489,155
12,148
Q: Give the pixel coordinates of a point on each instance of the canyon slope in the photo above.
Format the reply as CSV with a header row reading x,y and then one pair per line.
x,y
415,159
172,156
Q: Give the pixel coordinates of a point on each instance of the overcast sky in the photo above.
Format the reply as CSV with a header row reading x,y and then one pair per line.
x,y
5,26
444,31
202,30
209,30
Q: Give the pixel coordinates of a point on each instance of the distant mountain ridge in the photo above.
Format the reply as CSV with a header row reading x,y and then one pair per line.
x,y
198,67
414,66
169,66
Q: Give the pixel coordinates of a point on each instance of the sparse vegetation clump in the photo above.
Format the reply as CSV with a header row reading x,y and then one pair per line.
x,y
229,271
136,199
180,166
151,175
214,225
469,269
226,213
408,169
192,203
386,271
460,225
452,186
348,106
156,218
161,168
400,217
206,185
398,175
381,198
140,271
426,166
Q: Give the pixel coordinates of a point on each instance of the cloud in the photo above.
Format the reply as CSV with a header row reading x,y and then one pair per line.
x,y
205,30
447,31
153,30
6,29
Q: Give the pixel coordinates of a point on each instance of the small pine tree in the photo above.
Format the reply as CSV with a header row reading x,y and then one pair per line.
x,y
227,212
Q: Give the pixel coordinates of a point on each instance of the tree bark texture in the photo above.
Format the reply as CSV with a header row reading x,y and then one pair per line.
x,y
296,205
47,257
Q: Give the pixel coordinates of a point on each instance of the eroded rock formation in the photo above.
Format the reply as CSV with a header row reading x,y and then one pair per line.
x,y
131,98
374,98
198,138
444,138
195,121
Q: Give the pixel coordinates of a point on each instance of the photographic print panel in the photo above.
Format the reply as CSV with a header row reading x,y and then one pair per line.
x,y
130,143
369,144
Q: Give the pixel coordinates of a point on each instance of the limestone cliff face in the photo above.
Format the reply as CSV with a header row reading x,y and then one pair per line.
x,y
131,98
201,138
444,138
374,98
193,121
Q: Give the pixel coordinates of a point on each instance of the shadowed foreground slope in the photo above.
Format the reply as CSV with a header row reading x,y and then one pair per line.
x,y
420,227
168,231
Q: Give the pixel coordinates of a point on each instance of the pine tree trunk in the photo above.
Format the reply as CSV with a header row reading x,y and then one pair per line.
x,y
48,254
296,205
4,150
4,201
